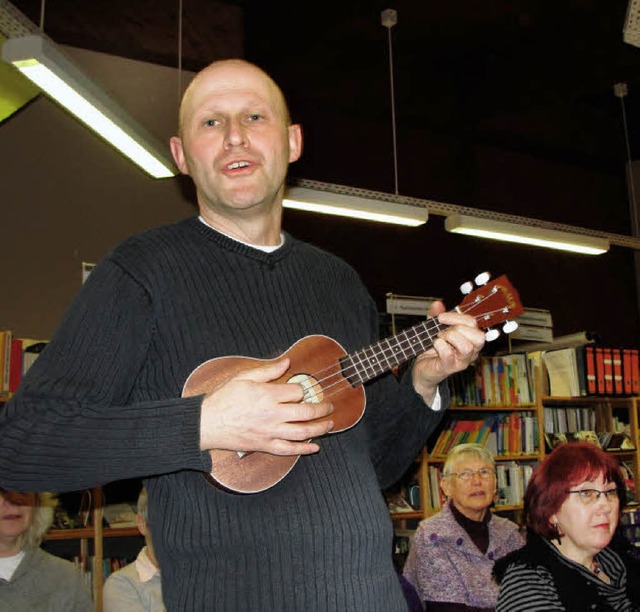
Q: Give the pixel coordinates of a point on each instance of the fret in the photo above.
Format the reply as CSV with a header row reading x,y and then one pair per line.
x,y
383,356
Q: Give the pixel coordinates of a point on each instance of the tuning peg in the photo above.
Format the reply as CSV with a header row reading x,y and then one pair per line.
x,y
466,288
509,326
491,334
482,278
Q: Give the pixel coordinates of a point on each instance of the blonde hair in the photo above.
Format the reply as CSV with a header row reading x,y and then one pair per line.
x,y
466,450
41,519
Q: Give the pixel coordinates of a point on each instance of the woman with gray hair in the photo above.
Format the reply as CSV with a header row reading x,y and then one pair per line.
x,y
452,552
31,579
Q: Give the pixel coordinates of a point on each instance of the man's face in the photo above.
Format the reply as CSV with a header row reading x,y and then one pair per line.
x,y
236,142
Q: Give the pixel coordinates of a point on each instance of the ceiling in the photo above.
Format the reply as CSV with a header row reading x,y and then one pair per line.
x,y
525,76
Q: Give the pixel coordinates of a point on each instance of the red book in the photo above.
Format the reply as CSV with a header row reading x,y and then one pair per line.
x,y
635,372
616,359
15,364
600,385
626,372
608,370
590,359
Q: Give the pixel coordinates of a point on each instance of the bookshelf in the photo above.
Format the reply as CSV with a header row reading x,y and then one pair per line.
x,y
85,545
93,544
604,413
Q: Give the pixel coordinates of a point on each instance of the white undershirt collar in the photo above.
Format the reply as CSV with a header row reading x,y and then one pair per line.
x,y
260,247
8,565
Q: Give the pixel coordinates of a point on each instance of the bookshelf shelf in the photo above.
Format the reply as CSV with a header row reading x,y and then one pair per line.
x,y
88,533
493,408
398,516
607,410
85,533
92,545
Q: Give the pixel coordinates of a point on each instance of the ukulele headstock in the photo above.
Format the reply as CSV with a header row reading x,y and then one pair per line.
x,y
491,303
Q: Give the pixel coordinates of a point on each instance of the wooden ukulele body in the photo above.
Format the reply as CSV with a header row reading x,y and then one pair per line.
x,y
315,365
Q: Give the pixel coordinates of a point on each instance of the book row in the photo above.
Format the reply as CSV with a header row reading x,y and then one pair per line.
x,y
16,357
585,370
85,564
596,424
593,369
513,433
506,380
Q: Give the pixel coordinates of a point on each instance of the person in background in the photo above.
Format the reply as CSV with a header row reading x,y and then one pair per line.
x,y
136,587
570,561
231,281
31,579
452,552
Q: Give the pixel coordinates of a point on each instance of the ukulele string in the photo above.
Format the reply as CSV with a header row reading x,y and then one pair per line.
x,y
317,386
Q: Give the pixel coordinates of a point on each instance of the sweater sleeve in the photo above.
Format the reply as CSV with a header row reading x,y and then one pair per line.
x,y
398,420
73,423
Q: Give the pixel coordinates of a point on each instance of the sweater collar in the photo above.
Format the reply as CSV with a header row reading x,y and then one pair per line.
x,y
259,247
240,248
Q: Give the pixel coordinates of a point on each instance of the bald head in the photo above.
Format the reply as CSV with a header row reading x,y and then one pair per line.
x,y
226,76
236,142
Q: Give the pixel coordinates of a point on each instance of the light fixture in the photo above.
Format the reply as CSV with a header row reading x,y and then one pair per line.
x,y
325,202
39,59
631,29
524,234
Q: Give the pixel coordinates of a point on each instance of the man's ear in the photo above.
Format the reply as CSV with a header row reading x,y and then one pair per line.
x,y
178,154
295,142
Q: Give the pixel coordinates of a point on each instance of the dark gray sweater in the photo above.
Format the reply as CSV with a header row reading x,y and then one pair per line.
x,y
102,403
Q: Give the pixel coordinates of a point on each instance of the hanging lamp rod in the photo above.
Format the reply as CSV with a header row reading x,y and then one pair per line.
x,y
444,209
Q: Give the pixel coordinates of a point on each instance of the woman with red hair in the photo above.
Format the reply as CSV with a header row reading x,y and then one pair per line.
x,y
572,506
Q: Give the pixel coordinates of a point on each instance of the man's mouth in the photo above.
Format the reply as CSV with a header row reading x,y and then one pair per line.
x,y
239,164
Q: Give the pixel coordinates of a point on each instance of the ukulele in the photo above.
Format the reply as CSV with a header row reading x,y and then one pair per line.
x,y
326,372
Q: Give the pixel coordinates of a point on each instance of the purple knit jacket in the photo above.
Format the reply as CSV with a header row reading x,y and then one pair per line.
x,y
445,565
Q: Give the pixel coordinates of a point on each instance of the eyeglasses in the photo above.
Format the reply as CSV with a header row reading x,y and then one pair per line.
x,y
590,496
467,475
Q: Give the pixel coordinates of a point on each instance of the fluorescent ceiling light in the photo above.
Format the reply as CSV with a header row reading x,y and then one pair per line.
x,y
15,90
43,63
631,29
329,203
525,234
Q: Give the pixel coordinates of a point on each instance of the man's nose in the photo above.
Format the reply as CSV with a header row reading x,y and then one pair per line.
x,y
235,135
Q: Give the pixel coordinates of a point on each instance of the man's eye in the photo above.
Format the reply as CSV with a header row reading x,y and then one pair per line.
x,y
254,117
211,122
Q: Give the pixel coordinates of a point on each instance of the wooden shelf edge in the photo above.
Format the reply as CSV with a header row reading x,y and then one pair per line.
x,y
493,408
398,516
89,532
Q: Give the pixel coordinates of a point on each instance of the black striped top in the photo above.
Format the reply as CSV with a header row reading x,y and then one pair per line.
x,y
532,588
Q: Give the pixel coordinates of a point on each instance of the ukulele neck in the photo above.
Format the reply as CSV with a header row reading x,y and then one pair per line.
x,y
368,363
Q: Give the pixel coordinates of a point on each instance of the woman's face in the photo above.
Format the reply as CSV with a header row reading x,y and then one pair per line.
x,y
471,486
15,517
587,523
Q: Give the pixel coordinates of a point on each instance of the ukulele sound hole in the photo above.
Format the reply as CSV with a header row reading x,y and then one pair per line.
x,y
310,387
